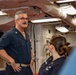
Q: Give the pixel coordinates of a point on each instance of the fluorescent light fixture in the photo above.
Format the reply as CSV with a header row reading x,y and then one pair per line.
x,y
69,9
63,1
62,29
45,20
3,13
5,19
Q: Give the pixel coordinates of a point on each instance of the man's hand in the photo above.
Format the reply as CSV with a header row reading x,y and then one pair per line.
x,y
16,67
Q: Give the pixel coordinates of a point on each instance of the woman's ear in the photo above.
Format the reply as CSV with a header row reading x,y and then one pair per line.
x,y
50,47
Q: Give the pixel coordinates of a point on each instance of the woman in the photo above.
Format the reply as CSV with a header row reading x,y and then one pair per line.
x,y
58,47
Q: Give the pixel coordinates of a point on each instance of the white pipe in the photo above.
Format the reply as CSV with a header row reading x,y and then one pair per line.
x,y
56,11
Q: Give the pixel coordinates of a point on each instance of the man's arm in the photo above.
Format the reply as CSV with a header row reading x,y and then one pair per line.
x,y
9,60
32,54
32,57
4,43
6,57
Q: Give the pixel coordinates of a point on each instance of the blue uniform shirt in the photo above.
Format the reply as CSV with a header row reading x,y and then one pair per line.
x,y
16,46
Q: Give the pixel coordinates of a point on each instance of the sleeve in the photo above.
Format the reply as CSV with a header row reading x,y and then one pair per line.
x,y
5,41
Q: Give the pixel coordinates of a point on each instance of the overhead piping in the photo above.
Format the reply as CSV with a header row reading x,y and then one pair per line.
x,y
56,11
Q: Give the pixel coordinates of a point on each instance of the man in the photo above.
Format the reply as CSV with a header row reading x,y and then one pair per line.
x,y
15,47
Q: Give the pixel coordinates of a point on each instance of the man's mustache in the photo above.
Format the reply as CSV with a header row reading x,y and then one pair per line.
x,y
24,23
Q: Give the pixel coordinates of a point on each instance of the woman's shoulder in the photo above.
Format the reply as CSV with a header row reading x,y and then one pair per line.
x,y
59,62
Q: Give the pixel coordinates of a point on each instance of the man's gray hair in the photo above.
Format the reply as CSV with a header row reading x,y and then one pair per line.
x,y
17,14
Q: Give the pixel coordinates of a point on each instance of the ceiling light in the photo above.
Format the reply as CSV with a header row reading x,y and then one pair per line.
x,y
62,29
3,13
45,20
69,9
63,1
5,19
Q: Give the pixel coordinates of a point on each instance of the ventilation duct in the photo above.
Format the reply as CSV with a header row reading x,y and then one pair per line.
x,y
56,11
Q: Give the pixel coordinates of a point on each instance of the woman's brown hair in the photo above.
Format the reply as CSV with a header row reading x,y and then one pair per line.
x,y
60,44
